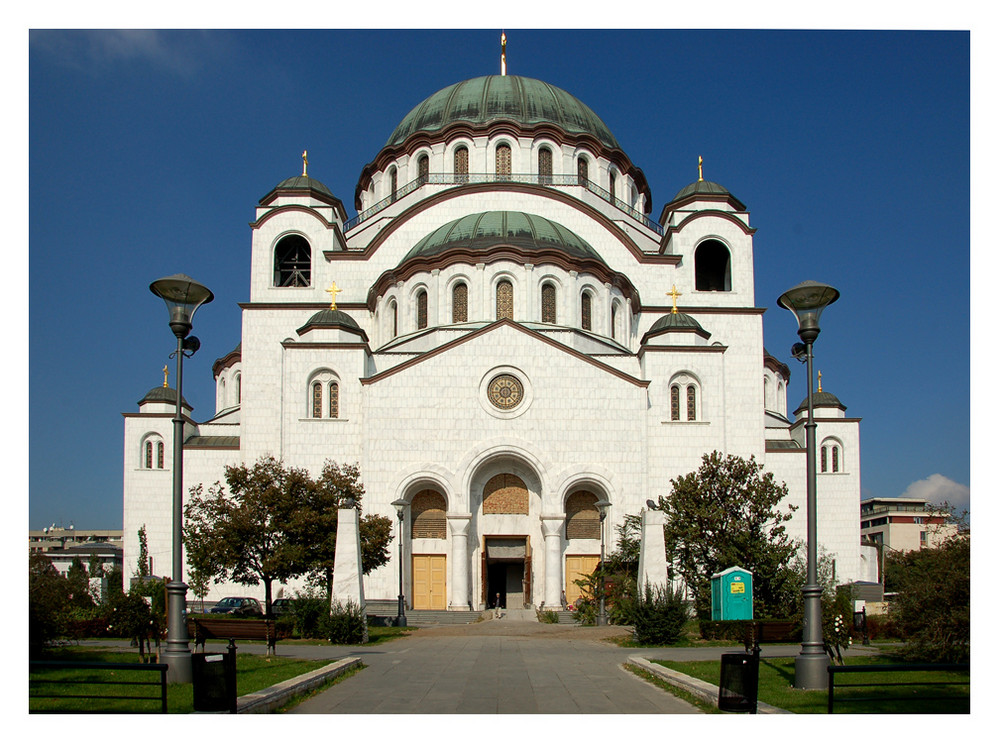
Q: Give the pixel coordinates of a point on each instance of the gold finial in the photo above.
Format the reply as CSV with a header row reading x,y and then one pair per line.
x,y
305,161
700,177
503,53
674,294
333,291
166,374
819,388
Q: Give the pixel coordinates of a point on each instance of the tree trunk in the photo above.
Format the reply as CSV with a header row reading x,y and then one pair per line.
x,y
267,597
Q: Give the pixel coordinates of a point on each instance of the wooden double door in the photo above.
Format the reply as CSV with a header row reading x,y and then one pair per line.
x,y
430,582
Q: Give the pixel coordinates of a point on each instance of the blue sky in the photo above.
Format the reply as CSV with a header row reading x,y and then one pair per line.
x,y
149,150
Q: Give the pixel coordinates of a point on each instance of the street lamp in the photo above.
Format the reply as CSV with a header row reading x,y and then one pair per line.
x,y
602,508
807,302
400,505
183,296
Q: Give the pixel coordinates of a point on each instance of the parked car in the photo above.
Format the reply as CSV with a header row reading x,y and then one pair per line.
x,y
242,606
281,606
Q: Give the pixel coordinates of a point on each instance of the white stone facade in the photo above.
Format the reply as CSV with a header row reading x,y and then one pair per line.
x,y
617,394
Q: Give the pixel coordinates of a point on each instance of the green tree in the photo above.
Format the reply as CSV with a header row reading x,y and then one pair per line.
x,y
142,565
932,608
47,592
727,513
246,535
376,535
78,585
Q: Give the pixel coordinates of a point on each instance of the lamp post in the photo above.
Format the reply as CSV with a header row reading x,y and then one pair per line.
x,y
602,508
807,301
183,296
400,505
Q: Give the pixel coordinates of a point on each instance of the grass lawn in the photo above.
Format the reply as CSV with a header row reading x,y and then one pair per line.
x,y
778,674
253,673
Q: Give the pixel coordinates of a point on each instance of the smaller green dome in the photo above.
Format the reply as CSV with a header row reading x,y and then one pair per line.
x,y
707,188
675,322
484,230
162,394
821,400
302,183
327,318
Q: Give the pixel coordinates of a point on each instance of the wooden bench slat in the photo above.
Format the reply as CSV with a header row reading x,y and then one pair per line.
x,y
202,629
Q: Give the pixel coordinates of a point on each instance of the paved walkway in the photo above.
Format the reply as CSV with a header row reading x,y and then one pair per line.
x,y
498,666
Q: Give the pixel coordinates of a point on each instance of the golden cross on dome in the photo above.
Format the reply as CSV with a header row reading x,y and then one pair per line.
x,y
333,291
674,294
305,161
819,388
700,177
166,373
503,53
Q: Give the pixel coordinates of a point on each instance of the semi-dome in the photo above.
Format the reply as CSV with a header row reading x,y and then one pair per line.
x,y
482,230
483,100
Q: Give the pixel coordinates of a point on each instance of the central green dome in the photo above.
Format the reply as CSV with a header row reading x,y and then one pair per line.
x,y
526,101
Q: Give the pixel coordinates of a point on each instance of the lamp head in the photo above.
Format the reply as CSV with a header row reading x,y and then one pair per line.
x,y
183,296
807,301
400,505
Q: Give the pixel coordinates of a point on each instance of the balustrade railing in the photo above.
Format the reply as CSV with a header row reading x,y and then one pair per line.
x,y
455,179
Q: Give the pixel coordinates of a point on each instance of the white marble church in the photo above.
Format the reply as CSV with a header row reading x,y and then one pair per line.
x,y
502,336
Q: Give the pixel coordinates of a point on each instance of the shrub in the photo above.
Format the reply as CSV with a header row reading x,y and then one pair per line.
x,y
547,616
659,616
308,612
346,624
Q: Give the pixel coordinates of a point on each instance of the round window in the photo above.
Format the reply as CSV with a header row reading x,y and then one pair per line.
x,y
505,392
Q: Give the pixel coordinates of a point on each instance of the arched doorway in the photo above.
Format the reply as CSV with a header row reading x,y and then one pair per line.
x,y
506,558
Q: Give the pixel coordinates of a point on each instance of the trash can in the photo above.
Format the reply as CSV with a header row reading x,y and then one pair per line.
x,y
213,678
738,683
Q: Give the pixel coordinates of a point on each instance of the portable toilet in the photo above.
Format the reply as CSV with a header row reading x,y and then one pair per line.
x,y
732,594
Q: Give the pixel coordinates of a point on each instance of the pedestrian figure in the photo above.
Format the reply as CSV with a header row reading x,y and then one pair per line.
x,y
497,610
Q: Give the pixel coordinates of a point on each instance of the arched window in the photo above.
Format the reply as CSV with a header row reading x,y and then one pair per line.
x,y
334,400
461,164
822,459
505,494
393,320
503,162
836,458
611,185
711,267
392,183
582,170
222,393
675,402
583,521
159,455
614,321
423,169
152,452
149,455
585,318
292,262
545,165
317,400
427,516
548,303
422,309
460,303
239,389
691,396
505,300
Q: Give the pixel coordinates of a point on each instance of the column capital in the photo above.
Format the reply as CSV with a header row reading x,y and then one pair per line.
x,y
552,524
459,524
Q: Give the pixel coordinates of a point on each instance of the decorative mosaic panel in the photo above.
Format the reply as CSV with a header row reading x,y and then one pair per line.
x,y
505,300
503,161
317,401
545,165
427,514
548,304
460,303
582,170
505,392
505,494
583,521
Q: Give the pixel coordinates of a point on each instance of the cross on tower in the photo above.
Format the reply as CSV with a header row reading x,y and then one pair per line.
x,y
820,386
166,373
305,161
674,294
333,291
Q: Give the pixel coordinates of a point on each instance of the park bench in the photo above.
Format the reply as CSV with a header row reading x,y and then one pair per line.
x,y
769,631
203,628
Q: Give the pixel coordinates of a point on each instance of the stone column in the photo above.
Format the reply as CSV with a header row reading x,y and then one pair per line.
x,y
458,525
652,551
552,526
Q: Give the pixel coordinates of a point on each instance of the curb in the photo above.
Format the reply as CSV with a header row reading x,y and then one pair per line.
x,y
271,698
704,691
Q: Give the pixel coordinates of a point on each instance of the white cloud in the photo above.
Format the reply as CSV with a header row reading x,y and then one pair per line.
x,y
936,488
180,52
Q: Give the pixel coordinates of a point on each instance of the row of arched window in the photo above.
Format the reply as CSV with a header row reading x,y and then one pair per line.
x,y
503,161
152,453
332,407
505,307
830,458
690,393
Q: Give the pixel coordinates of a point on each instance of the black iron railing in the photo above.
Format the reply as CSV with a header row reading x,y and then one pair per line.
x,y
47,683
896,681
458,179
